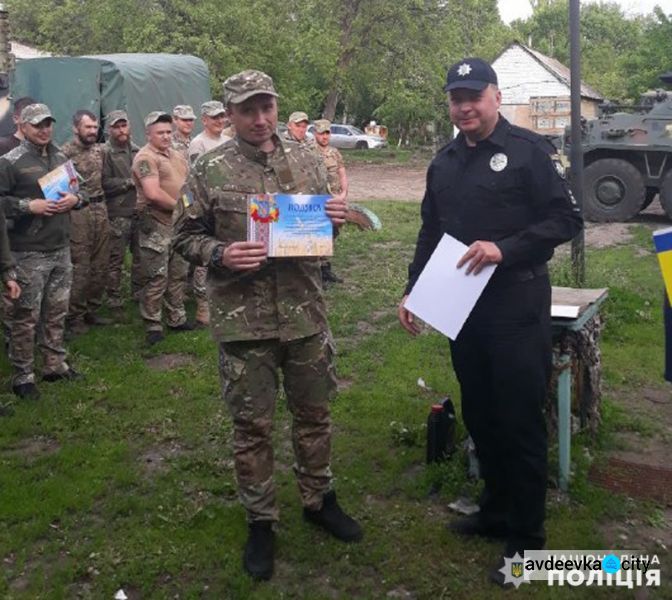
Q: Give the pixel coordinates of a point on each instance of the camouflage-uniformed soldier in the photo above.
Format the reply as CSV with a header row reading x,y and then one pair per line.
x,y
39,238
338,181
160,174
266,314
90,228
9,142
119,187
184,120
297,127
213,115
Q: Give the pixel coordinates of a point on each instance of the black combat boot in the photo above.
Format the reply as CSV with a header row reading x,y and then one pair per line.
x,y
332,518
328,276
258,555
473,525
26,391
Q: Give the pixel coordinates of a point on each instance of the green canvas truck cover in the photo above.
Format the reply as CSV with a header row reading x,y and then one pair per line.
x,y
137,83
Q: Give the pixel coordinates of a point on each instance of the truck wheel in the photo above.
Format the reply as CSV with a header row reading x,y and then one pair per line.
x,y
613,190
666,194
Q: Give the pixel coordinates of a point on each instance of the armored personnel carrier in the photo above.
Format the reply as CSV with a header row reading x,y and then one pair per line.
x,y
628,157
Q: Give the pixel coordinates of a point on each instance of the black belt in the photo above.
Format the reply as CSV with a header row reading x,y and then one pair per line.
x,y
519,274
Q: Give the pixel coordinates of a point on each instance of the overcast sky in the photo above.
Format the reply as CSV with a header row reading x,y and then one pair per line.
x,y
519,9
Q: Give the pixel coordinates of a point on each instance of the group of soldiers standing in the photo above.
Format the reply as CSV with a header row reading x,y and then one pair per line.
x,y
126,201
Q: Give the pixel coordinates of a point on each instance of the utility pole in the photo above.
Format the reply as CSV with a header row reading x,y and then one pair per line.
x,y
576,155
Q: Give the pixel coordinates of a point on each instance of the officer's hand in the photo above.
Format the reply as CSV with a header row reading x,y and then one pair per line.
x,y
336,209
479,255
12,290
66,202
406,318
40,206
244,256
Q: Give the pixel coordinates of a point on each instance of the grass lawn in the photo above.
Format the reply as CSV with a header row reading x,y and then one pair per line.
x,y
125,481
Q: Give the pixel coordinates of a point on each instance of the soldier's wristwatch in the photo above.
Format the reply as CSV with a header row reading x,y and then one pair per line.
x,y
216,256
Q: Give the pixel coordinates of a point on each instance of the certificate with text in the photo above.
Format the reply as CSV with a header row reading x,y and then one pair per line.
x,y
290,224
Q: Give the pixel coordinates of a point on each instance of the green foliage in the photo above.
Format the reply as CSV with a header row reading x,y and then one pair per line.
x,y
354,59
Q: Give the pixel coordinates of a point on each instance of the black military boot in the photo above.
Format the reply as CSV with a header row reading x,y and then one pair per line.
x,y
258,555
26,391
328,276
472,525
332,518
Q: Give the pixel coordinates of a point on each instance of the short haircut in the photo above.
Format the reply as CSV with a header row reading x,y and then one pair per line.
x,y
21,103
80,114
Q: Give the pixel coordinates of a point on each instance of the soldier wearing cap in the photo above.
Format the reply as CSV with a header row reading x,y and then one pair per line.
x,y
40,243
8,142
160,173
338,181
495,188
297,127
184,120
90,232
119,187
267,314
213,115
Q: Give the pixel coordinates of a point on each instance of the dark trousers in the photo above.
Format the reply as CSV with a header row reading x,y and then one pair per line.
x,y
503,361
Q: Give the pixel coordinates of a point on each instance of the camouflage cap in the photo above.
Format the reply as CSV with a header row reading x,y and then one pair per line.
x,y
322,125
244,85
212,108
297,117
36,113
184,111
115,116
157,116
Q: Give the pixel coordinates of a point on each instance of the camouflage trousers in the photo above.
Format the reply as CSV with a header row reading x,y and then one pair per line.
x,y
164,274
45,279
249,374
89,246
198,283
123,235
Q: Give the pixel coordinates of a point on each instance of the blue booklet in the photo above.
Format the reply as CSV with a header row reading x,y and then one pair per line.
x,y
62,179
290,225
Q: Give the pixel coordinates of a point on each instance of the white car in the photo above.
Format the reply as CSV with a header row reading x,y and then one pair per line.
x,y
349,136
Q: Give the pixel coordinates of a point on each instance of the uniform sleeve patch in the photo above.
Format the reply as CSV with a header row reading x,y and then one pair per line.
x,y
144,168
557,164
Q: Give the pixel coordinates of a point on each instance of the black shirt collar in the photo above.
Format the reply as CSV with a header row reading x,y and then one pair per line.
x,y
497,137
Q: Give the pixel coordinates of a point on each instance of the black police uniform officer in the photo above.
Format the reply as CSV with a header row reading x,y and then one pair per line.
x,y
507,190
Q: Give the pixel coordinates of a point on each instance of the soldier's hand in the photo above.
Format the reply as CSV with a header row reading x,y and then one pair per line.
x,y
12,290
40,206
66,202
336,209
479,255
406,318
244,256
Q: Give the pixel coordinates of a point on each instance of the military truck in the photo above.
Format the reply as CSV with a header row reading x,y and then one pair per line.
x,y
137,83
628,157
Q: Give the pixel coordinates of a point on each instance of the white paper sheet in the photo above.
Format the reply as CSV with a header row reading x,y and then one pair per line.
x,y
564,311
444,295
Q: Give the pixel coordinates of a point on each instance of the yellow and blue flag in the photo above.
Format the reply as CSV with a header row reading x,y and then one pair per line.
x,y
662,240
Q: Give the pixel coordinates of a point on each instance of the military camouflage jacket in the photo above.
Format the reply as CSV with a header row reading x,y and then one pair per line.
x,y
333,161
181,144
306,142
19,171
283,299
117,179
88,161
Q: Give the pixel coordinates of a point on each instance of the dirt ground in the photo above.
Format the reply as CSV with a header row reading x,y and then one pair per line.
x,y
407,183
